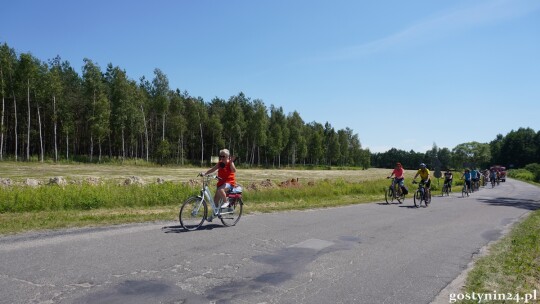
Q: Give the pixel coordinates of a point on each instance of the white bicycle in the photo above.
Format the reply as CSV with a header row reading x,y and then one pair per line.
x,y
194,210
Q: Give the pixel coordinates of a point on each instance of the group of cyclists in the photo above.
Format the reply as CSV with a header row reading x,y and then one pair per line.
x,y
472,177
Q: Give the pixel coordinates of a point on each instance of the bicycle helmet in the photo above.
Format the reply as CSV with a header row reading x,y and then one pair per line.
x,y
422,165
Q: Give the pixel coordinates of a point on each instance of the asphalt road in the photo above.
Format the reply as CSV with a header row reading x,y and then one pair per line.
x,y
367,253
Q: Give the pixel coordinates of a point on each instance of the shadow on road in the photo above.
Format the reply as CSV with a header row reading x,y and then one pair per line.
x,y
527,204
179,229
392,203
412,206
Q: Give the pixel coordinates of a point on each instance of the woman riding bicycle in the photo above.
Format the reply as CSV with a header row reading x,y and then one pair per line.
x,y
399,178
227,179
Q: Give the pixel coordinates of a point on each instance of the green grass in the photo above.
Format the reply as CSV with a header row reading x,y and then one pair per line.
x,y
76,205
512,265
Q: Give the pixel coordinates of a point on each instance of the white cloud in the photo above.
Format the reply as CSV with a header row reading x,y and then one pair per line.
x,y
488,12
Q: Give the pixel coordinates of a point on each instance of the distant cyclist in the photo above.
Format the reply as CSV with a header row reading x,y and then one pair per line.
x,y
448,178
493,177
475,177
424,176
467,176
398,173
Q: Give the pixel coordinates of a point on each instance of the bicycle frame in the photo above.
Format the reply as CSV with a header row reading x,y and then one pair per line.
x,y
394,192
192,217
206,194
422,189
421,195
446,187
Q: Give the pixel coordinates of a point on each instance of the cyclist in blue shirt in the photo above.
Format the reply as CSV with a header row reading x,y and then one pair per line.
x,y
493,176
468,176
475,177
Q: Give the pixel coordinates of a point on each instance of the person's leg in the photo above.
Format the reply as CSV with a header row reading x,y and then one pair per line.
x,y
221,195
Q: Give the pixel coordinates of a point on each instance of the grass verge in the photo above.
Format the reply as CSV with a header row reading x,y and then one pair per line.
x,y
512,265
53,207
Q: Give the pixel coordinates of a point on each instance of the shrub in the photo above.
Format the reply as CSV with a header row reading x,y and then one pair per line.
x,y
521,174
534,168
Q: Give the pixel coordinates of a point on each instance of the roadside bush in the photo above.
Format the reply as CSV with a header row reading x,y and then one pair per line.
x,y
535,169
521,174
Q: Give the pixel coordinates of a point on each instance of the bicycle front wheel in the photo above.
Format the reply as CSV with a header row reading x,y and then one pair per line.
x,y
447,190
417,198
389,195
231,215
193,213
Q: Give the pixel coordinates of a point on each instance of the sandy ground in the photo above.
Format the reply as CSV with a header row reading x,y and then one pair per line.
x,y
19,172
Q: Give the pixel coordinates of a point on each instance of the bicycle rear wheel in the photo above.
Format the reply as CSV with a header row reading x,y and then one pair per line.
x,y
231,215
399,195
465,191
193,213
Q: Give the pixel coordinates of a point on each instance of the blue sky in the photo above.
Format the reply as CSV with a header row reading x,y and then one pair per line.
x,y
403,74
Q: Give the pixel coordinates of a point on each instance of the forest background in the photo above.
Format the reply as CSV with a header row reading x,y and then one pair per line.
x,y
50,112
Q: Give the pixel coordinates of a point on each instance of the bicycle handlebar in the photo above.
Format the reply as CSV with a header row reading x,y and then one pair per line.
x,y
209,176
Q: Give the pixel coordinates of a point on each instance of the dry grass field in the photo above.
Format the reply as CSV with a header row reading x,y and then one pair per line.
x,y
18,172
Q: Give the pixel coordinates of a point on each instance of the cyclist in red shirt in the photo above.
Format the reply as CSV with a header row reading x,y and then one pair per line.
x,y
399,178
226,173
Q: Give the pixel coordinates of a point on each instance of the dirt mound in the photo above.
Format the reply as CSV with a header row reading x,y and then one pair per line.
x,y
262,185
290,183
6,182
94,181
30,182
57,180
192,183
134,180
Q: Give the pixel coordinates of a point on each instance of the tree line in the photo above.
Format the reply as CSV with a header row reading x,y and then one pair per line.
x,y
50,111
517,149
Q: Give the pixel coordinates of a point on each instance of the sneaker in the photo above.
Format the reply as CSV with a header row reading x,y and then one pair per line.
x,y
210,218
227,210
225,205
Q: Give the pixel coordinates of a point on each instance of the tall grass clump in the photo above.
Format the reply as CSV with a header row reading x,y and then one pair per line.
x,y
325,193
88,197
